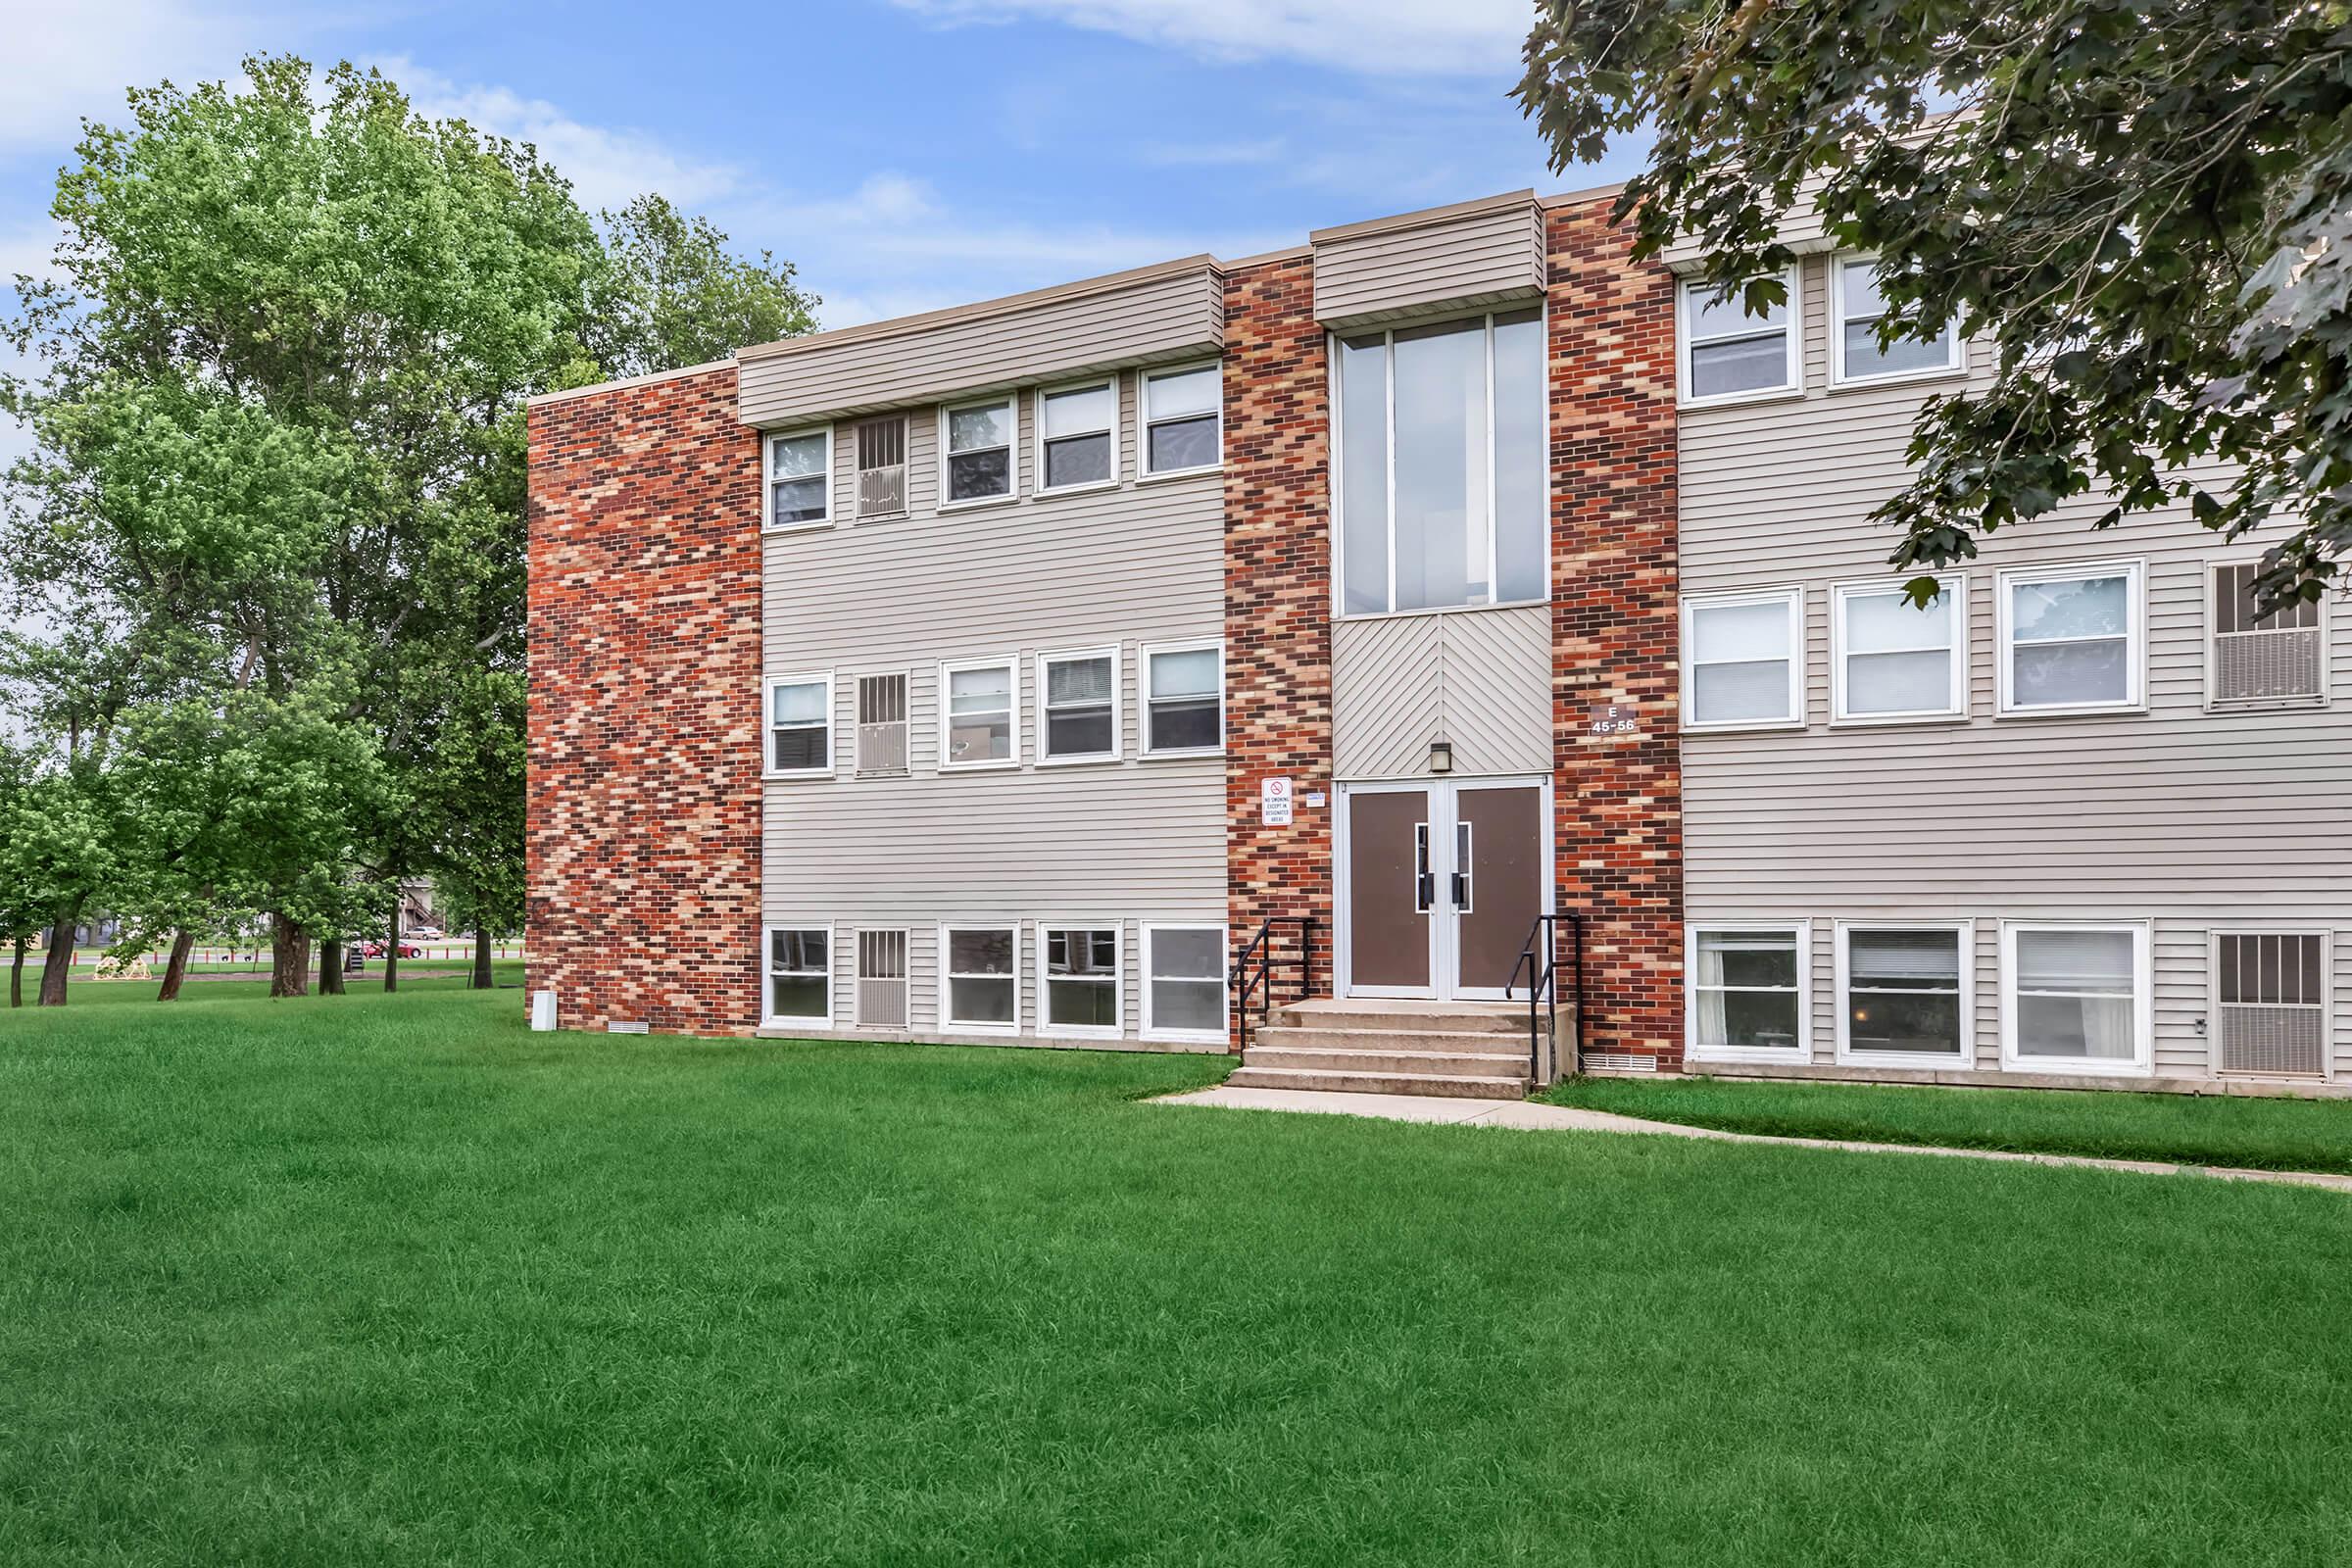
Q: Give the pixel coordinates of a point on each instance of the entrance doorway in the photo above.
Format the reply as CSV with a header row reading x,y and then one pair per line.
x,y
1440,881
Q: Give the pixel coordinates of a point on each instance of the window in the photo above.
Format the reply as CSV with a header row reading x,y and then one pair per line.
x,y
800,976
800,726
2263,660
1856,308
881,725
1742,663
1903,993
1078,437
2071,638
1184,700
1748,992
882,979
799,479
1184,985
882,466
981,965
2077,996
1081,980
1728,354
977,724
1444,470
2270,1003
1892,660
1183,420
976,443
1079,694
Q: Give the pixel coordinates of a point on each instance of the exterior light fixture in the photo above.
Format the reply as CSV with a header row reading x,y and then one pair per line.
x,y
1441,757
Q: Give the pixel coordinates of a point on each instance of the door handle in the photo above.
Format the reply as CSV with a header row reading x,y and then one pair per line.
x,y
1462,890
1425,891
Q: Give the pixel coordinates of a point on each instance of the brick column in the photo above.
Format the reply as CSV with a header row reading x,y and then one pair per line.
x,y
643,805
1277,601
1614,627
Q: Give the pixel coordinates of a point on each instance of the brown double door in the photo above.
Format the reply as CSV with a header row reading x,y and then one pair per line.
x,y
1443,880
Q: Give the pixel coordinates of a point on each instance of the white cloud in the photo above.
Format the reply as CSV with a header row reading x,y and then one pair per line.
x,y
59,63
1399,37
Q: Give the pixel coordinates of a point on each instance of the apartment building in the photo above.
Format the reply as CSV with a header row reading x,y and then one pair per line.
x,y
1007,673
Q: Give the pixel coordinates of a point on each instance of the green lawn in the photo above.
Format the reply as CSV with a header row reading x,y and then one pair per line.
x,y
369,1280
2259,1133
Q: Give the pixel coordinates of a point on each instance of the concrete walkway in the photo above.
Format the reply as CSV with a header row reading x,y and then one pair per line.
x,y
1531,1117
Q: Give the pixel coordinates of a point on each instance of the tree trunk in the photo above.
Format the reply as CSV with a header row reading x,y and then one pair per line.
x,y
330,966
16,975
56,965
481,960
176,967
392,951
289,958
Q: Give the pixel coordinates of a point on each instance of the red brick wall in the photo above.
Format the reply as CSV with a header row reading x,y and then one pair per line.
x,y
1614,628
643,857
1277,603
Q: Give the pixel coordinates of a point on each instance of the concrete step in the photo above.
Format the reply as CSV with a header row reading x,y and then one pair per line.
x,y
1408,1058
1452,1086
1325,1037
1419,1019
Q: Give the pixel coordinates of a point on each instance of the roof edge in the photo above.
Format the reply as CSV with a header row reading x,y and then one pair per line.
x,y
647,379
1422,218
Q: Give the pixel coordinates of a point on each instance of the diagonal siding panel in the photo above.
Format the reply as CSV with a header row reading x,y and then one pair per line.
x,y
1496,690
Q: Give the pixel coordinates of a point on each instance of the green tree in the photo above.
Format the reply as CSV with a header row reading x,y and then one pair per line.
x,y
22,914
671,294
2143,204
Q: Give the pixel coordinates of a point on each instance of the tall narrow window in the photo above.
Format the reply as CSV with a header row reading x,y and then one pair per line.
x,y
981,964
1184,700
1081,696
1184,982
800,725
2270,993
881,725
1077,436
2078,996
1442,467
2264,660
882,466
1856,309
1748,991
1742,663
977,709
1183,417
799,976
2071,638
976,441
1904,993
799,483
882,979
1897,660
1081,980
1727,353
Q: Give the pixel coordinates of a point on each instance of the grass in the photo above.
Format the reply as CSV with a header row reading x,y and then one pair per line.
x,y
2259,1134
417,1286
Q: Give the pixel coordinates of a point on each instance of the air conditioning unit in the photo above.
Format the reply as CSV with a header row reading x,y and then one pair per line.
x,y
882,467
882,979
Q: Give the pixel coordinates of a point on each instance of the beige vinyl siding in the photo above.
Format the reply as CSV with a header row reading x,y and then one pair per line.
x,y
1477,252
2189,820
1480,679
1123,842
1157,315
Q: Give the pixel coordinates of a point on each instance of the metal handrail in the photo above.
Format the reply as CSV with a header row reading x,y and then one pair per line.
x,y
1541,959
1242,980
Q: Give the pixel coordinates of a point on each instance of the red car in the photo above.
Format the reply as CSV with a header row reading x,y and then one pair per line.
x,y
375,949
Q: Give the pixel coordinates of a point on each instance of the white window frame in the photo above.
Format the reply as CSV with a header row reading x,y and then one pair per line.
x,y
1793,597
1692,1050
2213,991
1338,489
1965,931
2134,571
1144,977
768,1018
767,481
947,993
767,728
1144,420
2214,702
1955,353
1011,401
1951,585
1142,699
1118,734
1037,434
2143,1008
1046,1026
1011,662
1793,384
